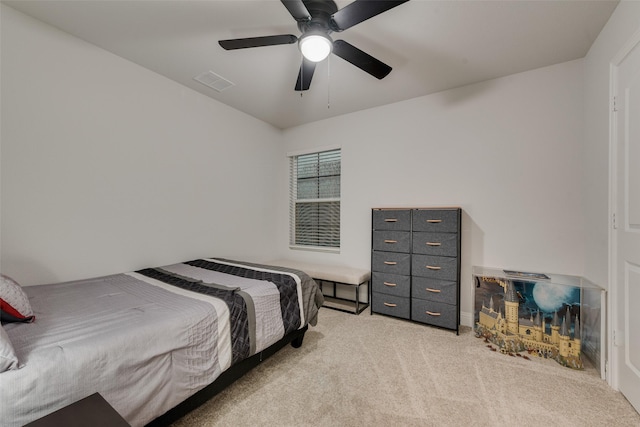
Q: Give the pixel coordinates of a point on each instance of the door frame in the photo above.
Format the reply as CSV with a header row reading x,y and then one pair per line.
x,y
612,372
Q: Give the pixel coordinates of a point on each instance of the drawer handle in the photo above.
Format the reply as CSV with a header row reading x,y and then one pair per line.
x,y
388,304
434,243
434,221
433,267
390,262
390,220
431,313
390,284
437,291
391,241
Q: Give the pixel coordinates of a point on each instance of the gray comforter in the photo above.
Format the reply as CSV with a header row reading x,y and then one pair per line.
x,y
149,339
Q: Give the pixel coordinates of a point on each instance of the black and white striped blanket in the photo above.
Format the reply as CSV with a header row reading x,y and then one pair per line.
x,y
243,287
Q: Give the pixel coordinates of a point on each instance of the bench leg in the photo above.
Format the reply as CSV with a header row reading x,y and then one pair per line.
x,y
358,306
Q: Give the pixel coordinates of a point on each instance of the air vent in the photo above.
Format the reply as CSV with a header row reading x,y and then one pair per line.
x,y
214,81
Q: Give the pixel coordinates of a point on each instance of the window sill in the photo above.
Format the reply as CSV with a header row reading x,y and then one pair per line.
x,y
315,249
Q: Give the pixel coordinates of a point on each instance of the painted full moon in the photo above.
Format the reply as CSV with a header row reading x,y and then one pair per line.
x,y
551,297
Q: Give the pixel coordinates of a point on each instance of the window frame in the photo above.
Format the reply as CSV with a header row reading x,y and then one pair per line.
x,y
293,199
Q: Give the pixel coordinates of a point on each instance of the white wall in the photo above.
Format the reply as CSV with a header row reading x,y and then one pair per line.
x,y
108,167
624,22
508,151
97,154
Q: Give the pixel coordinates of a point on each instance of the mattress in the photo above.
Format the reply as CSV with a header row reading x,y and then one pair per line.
x,y
149,339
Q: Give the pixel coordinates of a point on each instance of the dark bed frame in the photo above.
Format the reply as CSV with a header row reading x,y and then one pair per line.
x,y
227,378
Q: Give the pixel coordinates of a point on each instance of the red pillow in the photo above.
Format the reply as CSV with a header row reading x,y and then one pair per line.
x,y
14,303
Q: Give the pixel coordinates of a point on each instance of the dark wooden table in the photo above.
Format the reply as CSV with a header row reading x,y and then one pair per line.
x,y
92,411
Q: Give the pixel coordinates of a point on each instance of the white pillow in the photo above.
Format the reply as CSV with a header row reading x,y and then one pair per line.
x,y
14,303
8,358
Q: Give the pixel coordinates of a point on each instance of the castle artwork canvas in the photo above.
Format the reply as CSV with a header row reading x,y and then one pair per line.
x,y
527,318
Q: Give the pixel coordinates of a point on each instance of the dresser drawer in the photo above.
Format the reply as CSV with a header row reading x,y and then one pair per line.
x,y
434,313
391,284
436,267
392,241
441,244
391,262
435,290
391,305
436,220
391,219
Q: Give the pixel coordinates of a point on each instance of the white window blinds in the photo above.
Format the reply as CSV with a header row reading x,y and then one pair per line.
x,y
314,213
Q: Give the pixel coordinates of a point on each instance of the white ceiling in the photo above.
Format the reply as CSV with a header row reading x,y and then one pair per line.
x,y
431,45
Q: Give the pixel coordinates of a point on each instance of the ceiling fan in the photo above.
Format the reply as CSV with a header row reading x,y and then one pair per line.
x,y
317,19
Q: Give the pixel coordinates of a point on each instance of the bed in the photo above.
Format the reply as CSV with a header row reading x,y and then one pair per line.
x,y
152,341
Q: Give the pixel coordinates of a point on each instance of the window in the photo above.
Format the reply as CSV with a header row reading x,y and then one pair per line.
x,y
315,200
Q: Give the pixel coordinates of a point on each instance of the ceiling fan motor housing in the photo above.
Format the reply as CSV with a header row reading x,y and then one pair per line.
x,y
321,12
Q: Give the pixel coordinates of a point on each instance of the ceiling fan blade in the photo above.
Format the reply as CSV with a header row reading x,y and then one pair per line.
x,y
360,59
361,10
258,41
297,9
305,74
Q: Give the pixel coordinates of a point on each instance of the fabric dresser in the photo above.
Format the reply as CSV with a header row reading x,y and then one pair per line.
x,y
415,264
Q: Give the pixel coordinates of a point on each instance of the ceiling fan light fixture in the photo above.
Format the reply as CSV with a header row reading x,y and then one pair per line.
x,y
315,47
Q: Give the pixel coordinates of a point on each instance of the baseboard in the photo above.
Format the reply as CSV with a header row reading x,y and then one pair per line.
x,y
466,319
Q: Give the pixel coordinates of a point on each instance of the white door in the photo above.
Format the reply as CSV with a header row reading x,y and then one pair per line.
x,y
626,296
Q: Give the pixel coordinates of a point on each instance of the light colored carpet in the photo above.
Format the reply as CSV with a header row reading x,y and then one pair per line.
x,y
378,371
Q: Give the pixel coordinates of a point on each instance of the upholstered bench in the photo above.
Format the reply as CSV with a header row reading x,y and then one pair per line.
x,y
336,275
